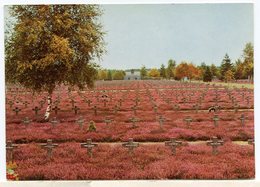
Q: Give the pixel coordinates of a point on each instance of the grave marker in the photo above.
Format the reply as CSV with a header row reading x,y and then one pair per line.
x,y
173,143
49,146
10,149
89,145
130,145
214,143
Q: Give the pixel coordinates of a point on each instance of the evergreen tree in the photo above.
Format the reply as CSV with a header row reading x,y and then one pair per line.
x,y
170,69
226,65
207,76
162,71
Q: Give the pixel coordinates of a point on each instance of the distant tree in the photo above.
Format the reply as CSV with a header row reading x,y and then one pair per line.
x,y
118,75
214,71
202,68
102,74
188,70
143,72
52,45
109,75
207,76
170,69
226,65
229,76
248,55
154,73
239,70
162,71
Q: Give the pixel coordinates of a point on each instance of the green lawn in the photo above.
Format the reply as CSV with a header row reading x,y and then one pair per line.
x,y
230,85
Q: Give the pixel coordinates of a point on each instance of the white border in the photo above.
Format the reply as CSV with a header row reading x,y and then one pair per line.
x,y
249,183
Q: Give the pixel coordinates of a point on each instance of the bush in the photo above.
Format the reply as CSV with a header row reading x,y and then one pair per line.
x,y
92,126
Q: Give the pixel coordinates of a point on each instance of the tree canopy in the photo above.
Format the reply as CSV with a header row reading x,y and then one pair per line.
x,y
54,44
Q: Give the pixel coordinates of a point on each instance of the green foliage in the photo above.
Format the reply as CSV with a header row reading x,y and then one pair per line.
x,y
229,76
154,73
226,65
248,55
170,69
207,76
109,75
214,71
92,126
143,72
54,44
162,71
118,75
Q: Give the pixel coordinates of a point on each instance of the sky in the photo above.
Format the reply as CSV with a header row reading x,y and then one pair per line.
x,y
150,35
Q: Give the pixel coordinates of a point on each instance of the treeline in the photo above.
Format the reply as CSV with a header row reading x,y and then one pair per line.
x,y
242,68
107,74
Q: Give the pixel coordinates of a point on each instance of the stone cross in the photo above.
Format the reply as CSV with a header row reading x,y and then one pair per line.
x,y
89,145
134,120
130,145
214,143
173,143
36,109
41,103
56,109
80,121
88,101
242,119
236,106
116,108
105,102
197,107
54,121
120,102
95,110
26,103
75,108
72,102
10,104
26,121
155,108
215,119
161,119
9,149
16,110
134,108
107,121
176,107
49,146
188,119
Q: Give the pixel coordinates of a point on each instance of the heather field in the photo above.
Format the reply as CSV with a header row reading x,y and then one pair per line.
x,y
150,112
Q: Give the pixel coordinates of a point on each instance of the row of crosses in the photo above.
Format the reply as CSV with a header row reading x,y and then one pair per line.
x,y
130,145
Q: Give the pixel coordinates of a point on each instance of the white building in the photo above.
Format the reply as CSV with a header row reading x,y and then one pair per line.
x,y
132,75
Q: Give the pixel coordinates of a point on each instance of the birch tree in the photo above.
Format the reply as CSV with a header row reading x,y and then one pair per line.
x,y
51,45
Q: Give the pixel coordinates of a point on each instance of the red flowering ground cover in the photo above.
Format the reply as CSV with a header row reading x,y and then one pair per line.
x,y
149,161
71,162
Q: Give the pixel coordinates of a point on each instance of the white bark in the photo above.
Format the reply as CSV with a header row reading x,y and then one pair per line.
x,y
49,107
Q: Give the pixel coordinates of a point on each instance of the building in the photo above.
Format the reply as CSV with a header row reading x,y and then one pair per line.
x,y
132,75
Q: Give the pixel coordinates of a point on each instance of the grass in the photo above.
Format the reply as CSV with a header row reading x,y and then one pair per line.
x,y
229,84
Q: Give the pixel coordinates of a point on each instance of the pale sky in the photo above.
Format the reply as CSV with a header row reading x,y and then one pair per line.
x,y
152,34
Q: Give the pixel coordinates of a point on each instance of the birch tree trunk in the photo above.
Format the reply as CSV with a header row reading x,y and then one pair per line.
x,y
49,107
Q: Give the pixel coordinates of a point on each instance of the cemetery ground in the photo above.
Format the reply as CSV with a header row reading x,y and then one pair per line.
x,y
132,130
